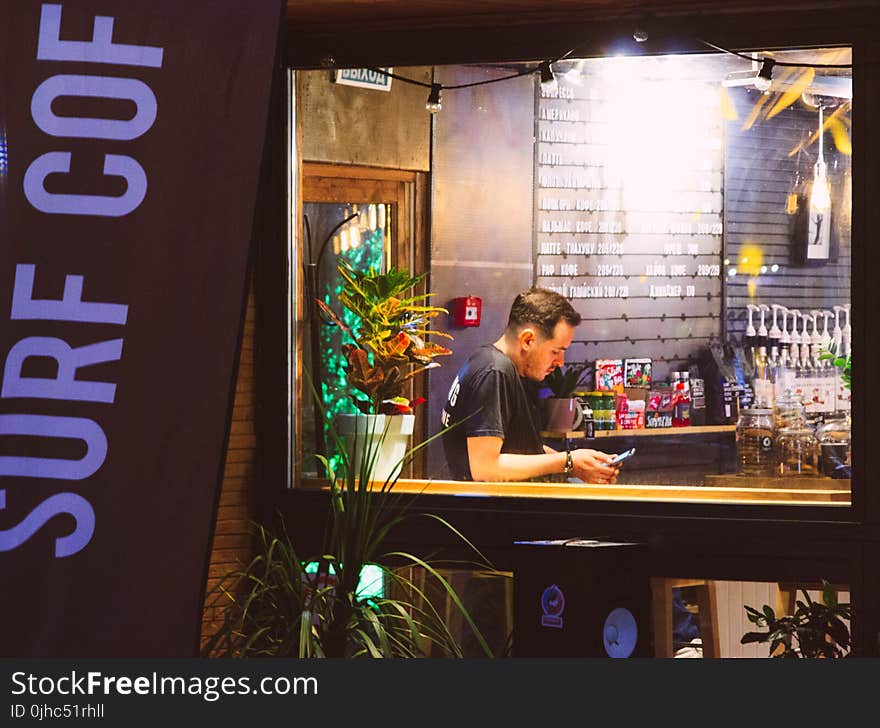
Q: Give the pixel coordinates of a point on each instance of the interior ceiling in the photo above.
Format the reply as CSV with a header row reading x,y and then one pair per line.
x,y
329,13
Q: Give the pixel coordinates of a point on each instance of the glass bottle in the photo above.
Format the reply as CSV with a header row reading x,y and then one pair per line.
x,y
754,441
783,375
835,454
763,382
681,410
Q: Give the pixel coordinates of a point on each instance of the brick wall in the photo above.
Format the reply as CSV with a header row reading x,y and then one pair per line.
x,y
232,545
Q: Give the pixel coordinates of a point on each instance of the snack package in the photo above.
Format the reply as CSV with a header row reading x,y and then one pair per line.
x,y
637,372
658,411
633,418
609,375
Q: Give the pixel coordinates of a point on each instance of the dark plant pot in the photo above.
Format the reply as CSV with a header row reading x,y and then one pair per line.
x,y
562,414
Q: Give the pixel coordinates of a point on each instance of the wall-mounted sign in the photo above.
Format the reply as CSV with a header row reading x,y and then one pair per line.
x,y
629,214
364,78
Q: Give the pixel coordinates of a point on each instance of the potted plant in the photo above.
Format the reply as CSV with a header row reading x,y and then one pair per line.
x,y
283,605
816,629
562,411
388,348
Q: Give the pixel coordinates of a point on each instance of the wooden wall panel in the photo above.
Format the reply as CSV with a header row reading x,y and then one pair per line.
x,y
232,540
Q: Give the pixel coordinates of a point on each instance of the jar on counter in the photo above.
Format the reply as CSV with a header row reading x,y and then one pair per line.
x,y
789,411
835,455
798,451
754,442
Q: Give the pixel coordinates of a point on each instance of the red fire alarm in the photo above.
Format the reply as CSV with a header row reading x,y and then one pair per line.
x,y
466,311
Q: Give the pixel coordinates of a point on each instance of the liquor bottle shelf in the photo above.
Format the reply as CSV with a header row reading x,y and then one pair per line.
x,y
659,431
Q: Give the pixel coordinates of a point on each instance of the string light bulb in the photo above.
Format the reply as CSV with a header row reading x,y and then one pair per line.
x,y
549,84
764,79
433,103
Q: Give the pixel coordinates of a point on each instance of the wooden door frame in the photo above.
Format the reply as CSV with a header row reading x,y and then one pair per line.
x,y
408,192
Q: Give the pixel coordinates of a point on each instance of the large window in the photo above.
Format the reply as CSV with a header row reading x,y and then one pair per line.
x,y
696,210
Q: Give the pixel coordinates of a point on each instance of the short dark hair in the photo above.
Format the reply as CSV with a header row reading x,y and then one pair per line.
x,y
543,308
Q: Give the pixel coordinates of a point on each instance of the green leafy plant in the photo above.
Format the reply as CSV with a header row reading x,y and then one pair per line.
x,y
565,380
275,607
843,363
389,344
816,629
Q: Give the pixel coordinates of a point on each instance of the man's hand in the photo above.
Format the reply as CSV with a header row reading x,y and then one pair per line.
x,y
591,466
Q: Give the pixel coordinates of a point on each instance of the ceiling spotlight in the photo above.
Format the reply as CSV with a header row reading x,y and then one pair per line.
x,y
549,84
639,35
764,79
433,103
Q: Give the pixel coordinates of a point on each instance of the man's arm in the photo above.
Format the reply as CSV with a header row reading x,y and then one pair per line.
x,y
488,463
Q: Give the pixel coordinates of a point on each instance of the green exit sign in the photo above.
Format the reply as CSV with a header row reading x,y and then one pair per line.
x,y
364,78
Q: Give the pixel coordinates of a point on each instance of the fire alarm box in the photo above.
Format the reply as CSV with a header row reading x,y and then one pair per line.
x,y
466,311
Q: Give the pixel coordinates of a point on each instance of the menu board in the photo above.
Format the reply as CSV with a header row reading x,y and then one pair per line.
x,y
628,206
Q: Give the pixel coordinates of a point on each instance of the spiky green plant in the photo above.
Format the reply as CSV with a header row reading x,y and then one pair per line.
x,y
564,381
274,608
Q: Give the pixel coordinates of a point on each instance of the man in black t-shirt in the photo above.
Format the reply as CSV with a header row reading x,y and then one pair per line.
x,y
494,397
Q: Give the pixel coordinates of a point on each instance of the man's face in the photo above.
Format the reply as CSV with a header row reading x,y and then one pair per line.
x,y
541,355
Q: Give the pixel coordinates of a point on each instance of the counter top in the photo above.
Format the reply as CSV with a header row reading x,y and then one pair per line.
x,y
748,491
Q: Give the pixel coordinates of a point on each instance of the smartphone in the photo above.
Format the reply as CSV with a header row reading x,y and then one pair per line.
x,y
623,456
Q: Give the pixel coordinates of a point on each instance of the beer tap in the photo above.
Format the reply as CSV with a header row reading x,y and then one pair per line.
x,y
784,338
775,332
837,334
751,334
814,338
818,338
847,332
826,337
762,329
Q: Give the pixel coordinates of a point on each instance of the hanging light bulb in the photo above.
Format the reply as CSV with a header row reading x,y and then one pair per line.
x,y
354,237
549,84
820,195
372,217
433,103
764,79
343,241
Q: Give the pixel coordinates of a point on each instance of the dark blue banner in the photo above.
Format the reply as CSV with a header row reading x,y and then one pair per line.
x,y
131,137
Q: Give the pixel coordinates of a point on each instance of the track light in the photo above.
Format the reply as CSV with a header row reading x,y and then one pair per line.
x,y
764,79
549,84
433,103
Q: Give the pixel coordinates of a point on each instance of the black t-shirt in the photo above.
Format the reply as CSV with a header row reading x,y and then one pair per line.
x,y
497,402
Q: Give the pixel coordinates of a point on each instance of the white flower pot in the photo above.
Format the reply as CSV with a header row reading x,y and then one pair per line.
x,y
365,433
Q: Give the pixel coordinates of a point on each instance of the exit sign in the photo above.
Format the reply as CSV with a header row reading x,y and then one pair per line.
x,y
364,78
